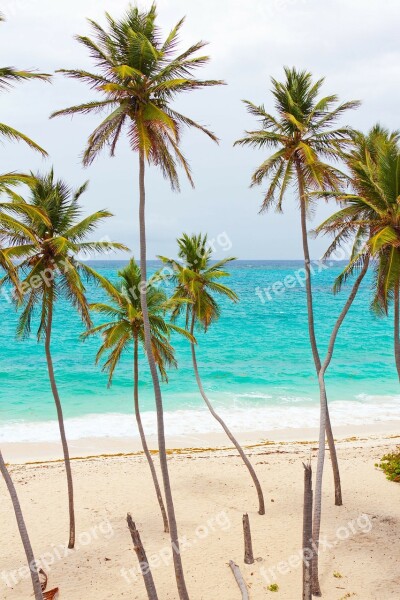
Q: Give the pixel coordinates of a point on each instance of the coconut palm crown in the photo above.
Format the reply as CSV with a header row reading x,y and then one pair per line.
x,y
126,324
47,240
370,217
197,279
303,134
139,74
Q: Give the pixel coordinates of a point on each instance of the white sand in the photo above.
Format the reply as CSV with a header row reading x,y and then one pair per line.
x,y
212,490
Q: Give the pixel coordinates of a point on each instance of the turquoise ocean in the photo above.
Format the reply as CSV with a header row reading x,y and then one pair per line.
x,y
255,363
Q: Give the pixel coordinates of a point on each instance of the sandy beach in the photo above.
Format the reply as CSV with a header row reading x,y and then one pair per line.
x,y
360,553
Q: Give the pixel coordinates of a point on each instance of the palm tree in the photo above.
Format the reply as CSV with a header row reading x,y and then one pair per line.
x,y
303,137
138,76
9,76
371,215
126,329
46,240
197,282
22,530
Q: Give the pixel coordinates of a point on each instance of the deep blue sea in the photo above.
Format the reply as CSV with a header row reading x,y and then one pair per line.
x,y
255,363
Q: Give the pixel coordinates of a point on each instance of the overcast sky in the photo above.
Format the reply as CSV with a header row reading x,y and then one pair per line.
x,y
355,45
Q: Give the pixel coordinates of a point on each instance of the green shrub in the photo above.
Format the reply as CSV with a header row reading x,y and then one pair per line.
x,y
390,465
274,587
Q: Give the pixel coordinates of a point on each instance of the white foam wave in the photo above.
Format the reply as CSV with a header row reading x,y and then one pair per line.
x,y
191,422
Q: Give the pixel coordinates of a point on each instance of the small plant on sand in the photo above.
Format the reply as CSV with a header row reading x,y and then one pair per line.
x,y
337,575
390,465
274,587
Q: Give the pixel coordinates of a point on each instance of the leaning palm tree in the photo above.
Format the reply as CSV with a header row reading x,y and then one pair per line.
x,y
37,588
9,76
303,139
371,216
126,330
138,76
197,282
46,239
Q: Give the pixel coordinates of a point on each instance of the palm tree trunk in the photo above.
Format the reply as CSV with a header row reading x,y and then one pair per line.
x,y
37,588
334,460
180,578
316,590
324,412
397,328
322,394
325,425
143,437
261,505
313,341
307,532
60,416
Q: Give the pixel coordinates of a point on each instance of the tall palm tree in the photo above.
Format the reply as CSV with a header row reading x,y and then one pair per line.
x,y
371,215
303,136
46,240
9,76
126,330
138,76
37,589
197,282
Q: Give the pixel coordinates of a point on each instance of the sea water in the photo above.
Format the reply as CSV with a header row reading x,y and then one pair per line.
x,y
255,363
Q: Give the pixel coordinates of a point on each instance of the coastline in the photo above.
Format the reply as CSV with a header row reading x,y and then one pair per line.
x,y
32,452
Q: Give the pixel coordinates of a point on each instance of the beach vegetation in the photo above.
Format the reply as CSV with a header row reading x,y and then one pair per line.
x,y
139,74
123,331
47,239
370,215
390,465
273,587
306,144
197,282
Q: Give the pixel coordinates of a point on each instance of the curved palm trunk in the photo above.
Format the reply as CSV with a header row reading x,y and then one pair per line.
x,y
60,416
313,341
261,505
397,328
180,578
325,426
22,530
324,366
143,437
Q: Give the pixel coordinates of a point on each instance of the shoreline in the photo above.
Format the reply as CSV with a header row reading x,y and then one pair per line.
x,y
92,447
